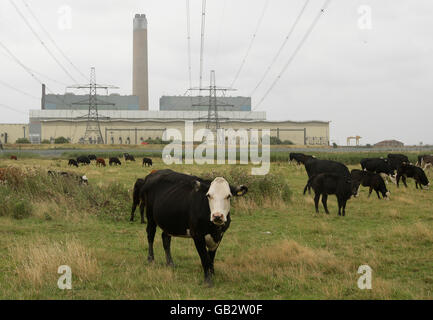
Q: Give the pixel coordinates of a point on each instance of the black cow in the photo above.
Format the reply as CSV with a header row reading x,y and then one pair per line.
x,y
377,165
73,162
187,206
300,157
395,160
369,179
114,160
147,162
129,157
91,157
316,166
411,171
325,184
83,159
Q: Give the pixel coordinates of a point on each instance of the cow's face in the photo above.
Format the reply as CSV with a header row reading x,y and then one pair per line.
x,y
218,196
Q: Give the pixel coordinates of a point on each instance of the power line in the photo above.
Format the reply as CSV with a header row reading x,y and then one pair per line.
x,y
286,39
42,42
218,45
47,77
188,30
52,40
251,43
13,109
37,72
17,90
203,20
301,43
29,71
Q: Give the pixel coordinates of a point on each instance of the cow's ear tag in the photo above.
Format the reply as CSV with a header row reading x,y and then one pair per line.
x,y
240,193
197,186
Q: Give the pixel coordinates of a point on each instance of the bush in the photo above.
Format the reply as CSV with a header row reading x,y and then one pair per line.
x,y
61,140
21,209
45,141
334,145
268,188
22,140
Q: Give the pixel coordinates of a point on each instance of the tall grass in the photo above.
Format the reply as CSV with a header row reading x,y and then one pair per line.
x,y
36,262
23,189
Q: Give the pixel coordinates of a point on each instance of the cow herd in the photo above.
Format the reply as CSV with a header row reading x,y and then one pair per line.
x,y
327,177
188,206
86,160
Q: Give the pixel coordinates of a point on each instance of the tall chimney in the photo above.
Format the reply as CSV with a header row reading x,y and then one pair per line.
x,y
140,84
43,97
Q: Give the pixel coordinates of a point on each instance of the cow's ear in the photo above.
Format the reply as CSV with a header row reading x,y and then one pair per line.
x,y
238,190
197,185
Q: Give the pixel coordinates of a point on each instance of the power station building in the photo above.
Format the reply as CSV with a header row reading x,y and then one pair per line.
x,y
127,119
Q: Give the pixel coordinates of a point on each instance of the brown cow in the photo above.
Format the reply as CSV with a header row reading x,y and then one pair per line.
x,y
100,162
426,161
14,158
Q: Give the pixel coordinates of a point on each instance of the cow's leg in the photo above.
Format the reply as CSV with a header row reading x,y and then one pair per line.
x,y
142,211
151,230
166,241
134,206
403,178
324,202
339,205
369,191
316,201
200,245
377,192
344,207
212,258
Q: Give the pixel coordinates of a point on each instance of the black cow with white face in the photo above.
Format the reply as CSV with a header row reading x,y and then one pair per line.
x,y
395,160
410,171
369,179
379,165
187,206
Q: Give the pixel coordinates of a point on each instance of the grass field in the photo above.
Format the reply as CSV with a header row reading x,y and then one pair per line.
x,y
275,248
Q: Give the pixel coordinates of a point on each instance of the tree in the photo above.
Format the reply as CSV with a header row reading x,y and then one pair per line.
x,y
22,140
60,140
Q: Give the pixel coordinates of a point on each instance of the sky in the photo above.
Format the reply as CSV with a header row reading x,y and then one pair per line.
x,y
367,66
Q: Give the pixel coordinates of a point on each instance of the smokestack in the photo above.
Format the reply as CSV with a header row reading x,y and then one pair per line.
x,y
43,97
139,62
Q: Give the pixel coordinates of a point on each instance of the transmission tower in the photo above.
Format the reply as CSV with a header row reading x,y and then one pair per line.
x,y
93,129
213,120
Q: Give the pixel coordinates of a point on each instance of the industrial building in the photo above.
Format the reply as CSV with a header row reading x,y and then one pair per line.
x,y
126,119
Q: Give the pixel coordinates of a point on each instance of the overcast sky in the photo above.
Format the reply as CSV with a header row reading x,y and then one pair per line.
x,y
374,82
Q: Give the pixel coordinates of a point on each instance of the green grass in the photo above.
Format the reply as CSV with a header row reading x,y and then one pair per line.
x,y
275,248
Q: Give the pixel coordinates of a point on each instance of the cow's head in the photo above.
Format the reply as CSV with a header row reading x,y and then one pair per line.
x,y
84,180
218,194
